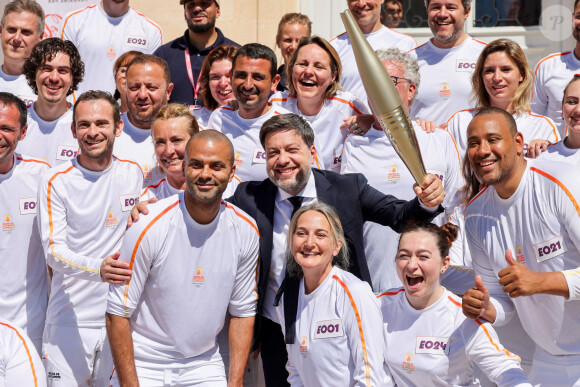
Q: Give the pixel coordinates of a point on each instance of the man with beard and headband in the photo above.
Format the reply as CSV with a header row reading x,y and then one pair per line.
x,y
103,32
523,230
446,62
83,207
288,141
194,257
186,54
254,77
148,89
553,74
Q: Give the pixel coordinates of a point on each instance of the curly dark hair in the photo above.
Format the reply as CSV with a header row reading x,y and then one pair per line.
x,y
45,51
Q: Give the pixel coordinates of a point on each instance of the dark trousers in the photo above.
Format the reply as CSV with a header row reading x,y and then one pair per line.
x,y
274,355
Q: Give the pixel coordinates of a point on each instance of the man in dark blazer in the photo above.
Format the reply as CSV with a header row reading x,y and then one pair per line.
x,y
288,141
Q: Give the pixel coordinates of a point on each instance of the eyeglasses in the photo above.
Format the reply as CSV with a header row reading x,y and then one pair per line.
x,y
396,80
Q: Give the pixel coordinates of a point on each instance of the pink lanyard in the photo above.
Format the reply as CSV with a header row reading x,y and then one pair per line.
x,y
197,86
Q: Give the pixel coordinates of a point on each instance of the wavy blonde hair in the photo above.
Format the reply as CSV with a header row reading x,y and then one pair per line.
x,y
523,95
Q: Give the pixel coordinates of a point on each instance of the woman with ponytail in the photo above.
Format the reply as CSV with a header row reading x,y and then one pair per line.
x,y
428,339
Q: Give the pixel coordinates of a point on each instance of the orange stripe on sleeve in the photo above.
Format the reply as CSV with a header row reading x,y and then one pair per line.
x,y
362,336
549,57
454,144
153,24
548,121
255,228
453,301
336,37
129,161
33,161
27,352
476,196
560,184
391,293
279,100
464,110
494,344
241,216
51,225
152,186
134,253
71,15
348,103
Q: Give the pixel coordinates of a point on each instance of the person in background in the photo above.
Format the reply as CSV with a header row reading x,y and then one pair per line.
x,y
367,14
523,230
314,72
390,175
553,73
451,55
24,287
120,74
338,320
392,13
185,55
104,31
53,71
425,330
253,79
22,27
148,89
216,82
502,78
292,28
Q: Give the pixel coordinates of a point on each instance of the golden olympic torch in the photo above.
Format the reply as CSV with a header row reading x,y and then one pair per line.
x,y
385,100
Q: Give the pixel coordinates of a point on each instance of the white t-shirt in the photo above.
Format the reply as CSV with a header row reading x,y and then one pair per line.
x,y
50,141
17,85
560,152
445,79
438,345
374,156
540,223
250,158
532,126
162,189
82,216
384,38
24,285
136,144
20,365
329,138
551,77
202,116
186,276
101,39
339,338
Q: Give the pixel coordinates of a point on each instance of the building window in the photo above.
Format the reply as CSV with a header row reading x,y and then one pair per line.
x,y
501,13
488,13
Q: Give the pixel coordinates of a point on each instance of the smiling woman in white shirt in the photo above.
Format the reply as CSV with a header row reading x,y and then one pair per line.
x,y
337,338
314,92
430,342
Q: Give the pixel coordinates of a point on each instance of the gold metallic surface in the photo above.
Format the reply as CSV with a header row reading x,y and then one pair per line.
x,y
385,100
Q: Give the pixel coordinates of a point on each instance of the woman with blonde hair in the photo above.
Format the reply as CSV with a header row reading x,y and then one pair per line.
x,y
314,92
503,78
292,27
335,336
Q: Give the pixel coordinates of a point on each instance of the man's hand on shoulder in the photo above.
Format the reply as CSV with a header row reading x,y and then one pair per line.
x,y
139,208
114,271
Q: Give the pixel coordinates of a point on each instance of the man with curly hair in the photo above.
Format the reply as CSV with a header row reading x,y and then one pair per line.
x,y
53,71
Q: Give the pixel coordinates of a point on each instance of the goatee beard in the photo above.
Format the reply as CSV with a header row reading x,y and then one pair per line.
x,y
200,28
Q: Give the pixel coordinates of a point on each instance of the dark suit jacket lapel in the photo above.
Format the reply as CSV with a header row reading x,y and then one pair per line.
x,y
324,190
265,204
